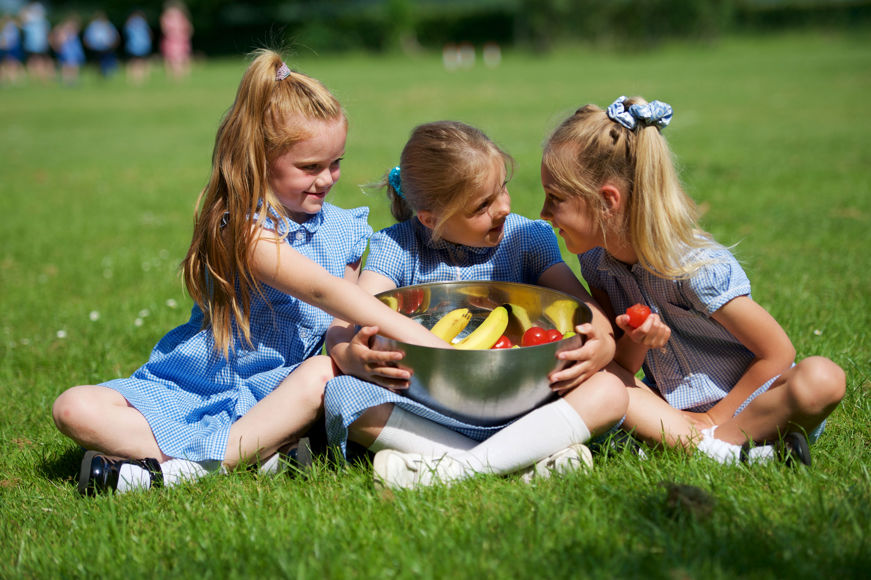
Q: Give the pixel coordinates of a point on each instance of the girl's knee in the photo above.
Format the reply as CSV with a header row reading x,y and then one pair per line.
x,y
819,384
71,408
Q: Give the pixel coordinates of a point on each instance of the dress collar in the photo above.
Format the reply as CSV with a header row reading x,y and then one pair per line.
x,y
425,235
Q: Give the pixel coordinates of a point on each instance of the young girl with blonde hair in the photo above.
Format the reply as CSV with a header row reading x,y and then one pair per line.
x,y
450,196
719,371
270,263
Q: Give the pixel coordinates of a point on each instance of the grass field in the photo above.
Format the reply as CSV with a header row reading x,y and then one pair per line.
x,y
98,184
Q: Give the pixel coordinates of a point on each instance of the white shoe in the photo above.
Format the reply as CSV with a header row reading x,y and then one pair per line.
x,y
572,458
397,470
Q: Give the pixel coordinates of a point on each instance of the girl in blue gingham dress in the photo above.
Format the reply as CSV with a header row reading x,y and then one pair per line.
x,y
719,372
450,194
270,264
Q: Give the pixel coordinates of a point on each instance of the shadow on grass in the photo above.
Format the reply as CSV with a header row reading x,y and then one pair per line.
x,y
63,466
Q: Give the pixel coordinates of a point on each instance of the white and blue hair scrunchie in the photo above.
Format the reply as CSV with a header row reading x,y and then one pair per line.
x,y
654,113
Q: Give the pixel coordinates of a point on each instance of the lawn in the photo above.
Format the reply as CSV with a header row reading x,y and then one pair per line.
x,y
98,184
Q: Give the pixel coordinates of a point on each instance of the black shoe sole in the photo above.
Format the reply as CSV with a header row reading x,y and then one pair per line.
x,y
85,487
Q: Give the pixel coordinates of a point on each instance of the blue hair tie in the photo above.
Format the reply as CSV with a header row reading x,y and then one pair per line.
x,y
395,181
654,113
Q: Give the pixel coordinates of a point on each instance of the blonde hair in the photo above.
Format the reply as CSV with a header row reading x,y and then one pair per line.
x,y
440,166
589,149
267,117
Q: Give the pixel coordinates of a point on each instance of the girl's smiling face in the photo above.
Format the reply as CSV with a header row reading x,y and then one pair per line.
x,y
571,216
481,222
302,176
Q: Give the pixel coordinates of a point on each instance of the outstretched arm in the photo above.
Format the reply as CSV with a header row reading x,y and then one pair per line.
x,y
353,353
275,263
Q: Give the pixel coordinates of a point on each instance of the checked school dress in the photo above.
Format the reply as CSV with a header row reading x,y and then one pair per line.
x,y
191,394
406,254
702,361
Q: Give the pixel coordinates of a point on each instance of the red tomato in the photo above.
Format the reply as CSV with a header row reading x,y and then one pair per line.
x,y
535,335
503,342
637,314
553,335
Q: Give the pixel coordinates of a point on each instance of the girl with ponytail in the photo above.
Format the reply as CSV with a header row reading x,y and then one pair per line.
x,y
718,370
270,263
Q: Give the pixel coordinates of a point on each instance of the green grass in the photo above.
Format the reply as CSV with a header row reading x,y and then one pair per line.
x,y
98,184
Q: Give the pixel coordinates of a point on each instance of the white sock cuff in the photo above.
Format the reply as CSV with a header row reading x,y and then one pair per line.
x,y
580,433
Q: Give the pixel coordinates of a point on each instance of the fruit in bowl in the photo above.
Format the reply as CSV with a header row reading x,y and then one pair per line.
x,y
477,383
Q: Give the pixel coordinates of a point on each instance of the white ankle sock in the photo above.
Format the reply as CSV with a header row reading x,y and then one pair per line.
x,y
729,453
530,438
410,433
132,477
176,471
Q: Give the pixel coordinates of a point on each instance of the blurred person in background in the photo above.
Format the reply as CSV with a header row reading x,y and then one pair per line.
x,y
176,27
102,38
68,47
137,45
35,29
11,55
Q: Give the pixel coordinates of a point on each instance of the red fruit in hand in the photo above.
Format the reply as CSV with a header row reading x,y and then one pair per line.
x,y
503,342
637,314
535,335
553,335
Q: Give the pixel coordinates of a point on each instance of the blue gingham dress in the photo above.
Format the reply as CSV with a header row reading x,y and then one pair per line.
x,y
191,395
702,361
406,254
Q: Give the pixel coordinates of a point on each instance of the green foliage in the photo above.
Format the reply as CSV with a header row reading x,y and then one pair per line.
x,y
98,185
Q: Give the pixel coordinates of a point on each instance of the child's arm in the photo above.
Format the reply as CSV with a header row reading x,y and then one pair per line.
x,y
598,348
275,263
352,352
757,330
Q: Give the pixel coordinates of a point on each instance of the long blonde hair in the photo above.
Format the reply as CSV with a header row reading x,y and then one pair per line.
x,y
589,149
440,166
268,116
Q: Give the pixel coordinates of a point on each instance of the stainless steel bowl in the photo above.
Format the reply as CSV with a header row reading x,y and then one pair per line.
x,y
483,387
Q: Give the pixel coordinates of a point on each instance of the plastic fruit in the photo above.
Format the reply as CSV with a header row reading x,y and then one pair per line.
x,y
488,332
533,336
451,324
637,314
553,335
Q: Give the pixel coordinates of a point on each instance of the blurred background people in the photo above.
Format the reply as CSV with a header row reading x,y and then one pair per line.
x,y
176,28
35,30
11,55
102,38
68,47
137,46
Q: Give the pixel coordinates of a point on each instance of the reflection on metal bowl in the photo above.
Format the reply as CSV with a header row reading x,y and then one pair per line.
x,y
485,387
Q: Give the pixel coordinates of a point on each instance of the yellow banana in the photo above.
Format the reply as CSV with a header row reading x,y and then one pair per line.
x,y
391,301
488,332
562,314
451,324
520,314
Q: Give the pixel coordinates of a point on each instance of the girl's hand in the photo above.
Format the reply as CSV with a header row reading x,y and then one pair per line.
x,y
594,354
376,366
652,334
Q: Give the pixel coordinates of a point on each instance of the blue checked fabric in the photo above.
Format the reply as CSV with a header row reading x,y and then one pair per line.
x,y
191,395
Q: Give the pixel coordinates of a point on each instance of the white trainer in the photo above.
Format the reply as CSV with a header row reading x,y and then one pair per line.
x,y
572,458
397,470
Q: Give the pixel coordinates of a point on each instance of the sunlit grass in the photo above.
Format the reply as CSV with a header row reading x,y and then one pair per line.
x,y
98,184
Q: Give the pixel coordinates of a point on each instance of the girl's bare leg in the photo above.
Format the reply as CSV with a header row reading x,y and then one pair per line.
x,y
799,400
283,416
99,418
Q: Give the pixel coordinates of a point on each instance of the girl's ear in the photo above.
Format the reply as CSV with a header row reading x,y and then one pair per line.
x,y
427,218
612,198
